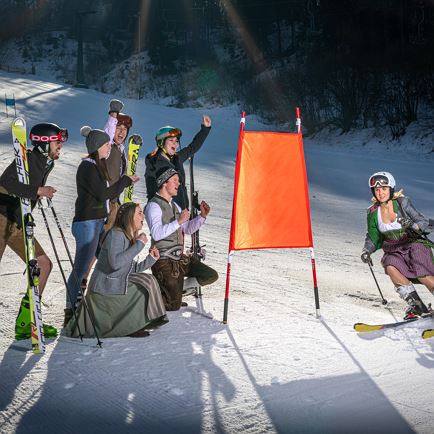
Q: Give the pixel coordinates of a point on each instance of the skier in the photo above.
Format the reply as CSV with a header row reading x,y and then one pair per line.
x,y
397,227
47,140
125,301
91,206
168,224
165,154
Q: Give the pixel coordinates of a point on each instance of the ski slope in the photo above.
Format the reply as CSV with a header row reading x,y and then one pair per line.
x,y
275,367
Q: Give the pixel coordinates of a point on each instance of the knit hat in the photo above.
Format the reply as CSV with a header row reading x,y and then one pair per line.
x,y
164,174
94,138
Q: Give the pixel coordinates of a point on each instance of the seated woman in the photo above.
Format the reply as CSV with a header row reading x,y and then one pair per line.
x,y
398,228
123,300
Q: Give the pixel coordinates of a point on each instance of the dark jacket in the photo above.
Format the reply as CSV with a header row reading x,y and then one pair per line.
x,y
93,192
11,189
159,160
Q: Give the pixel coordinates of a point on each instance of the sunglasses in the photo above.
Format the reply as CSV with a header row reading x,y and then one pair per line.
x,y
379,181
62,136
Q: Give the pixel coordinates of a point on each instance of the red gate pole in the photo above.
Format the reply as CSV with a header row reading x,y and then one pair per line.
x,y
230,252
312,253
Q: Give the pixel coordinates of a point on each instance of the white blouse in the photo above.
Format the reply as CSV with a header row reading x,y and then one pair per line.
x,y
386,227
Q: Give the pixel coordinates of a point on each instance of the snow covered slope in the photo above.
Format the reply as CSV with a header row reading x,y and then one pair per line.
x,y
274,367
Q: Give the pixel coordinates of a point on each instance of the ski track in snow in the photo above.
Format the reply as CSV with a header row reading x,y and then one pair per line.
x,y
274,367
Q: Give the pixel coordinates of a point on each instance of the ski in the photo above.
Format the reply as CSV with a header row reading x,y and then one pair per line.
x,y
428,333
28,224
362,327
196,249
134,145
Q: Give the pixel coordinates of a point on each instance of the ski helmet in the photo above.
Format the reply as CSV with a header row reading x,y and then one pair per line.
x,y
125,120
42,134
165,132
382,179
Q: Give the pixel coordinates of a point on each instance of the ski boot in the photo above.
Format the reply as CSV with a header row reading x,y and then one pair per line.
x,y
22,323
416,306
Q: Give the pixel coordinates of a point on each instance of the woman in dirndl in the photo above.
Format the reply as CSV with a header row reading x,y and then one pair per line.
x,y
398,228
122,299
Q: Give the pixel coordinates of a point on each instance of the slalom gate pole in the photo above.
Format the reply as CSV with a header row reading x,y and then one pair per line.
x,y
312,253
91,316
230,252
228,276
384,301
44,216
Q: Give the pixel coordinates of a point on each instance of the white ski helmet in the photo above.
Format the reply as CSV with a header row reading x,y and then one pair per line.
x,y
382,179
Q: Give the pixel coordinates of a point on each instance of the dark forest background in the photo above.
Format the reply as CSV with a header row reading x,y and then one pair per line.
x,y
347,63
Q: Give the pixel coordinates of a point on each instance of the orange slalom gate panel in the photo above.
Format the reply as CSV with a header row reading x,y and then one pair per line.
x,y
271,200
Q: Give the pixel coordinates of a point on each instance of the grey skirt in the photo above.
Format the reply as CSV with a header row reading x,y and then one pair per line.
x,y
120,315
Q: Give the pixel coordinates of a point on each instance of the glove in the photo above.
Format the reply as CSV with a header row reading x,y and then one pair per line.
x,y
136,139
116,106
406,223
366,258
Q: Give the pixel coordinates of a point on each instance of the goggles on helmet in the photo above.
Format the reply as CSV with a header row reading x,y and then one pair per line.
x,y
175,132
125,120
61,136
379,181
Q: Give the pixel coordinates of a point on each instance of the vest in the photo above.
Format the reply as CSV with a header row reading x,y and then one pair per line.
x,y
170,213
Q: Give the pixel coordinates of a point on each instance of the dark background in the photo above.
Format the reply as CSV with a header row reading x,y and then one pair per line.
x,y
348,63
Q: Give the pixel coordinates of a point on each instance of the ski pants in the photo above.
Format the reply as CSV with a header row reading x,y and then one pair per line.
x,y
170,274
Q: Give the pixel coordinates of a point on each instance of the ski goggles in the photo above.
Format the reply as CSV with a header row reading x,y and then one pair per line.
x,y
61,136
124,120
379,181
175,132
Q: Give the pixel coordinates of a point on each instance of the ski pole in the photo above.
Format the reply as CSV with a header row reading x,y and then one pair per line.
x,y
378,286
91,316
44,216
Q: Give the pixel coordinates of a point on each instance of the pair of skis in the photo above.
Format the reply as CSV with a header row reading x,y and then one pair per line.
x,y
426,334
19,137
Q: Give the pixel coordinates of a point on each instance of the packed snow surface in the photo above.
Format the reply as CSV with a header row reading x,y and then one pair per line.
x,y
275,367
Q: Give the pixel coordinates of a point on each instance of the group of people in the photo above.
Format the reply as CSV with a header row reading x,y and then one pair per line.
x,y
120,299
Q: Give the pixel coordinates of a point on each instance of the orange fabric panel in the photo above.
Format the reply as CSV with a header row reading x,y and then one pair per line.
x,y
271,200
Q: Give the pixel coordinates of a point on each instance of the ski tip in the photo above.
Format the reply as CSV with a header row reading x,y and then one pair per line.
x,y
19,122
429,333
362,327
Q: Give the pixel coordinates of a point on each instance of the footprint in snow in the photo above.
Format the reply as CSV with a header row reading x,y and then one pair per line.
x,y
176,392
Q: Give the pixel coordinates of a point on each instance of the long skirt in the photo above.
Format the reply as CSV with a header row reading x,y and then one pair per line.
x,y
411,258
120,315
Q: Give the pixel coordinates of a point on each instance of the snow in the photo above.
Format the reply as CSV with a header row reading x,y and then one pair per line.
x,y
274,367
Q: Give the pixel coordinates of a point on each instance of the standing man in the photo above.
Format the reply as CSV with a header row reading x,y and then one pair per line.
x,y
46,140
168,224
117,127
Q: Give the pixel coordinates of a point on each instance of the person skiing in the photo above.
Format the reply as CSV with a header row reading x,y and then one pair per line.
x,y
124,300
166,154
91,206
398,228
47,140
168,224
